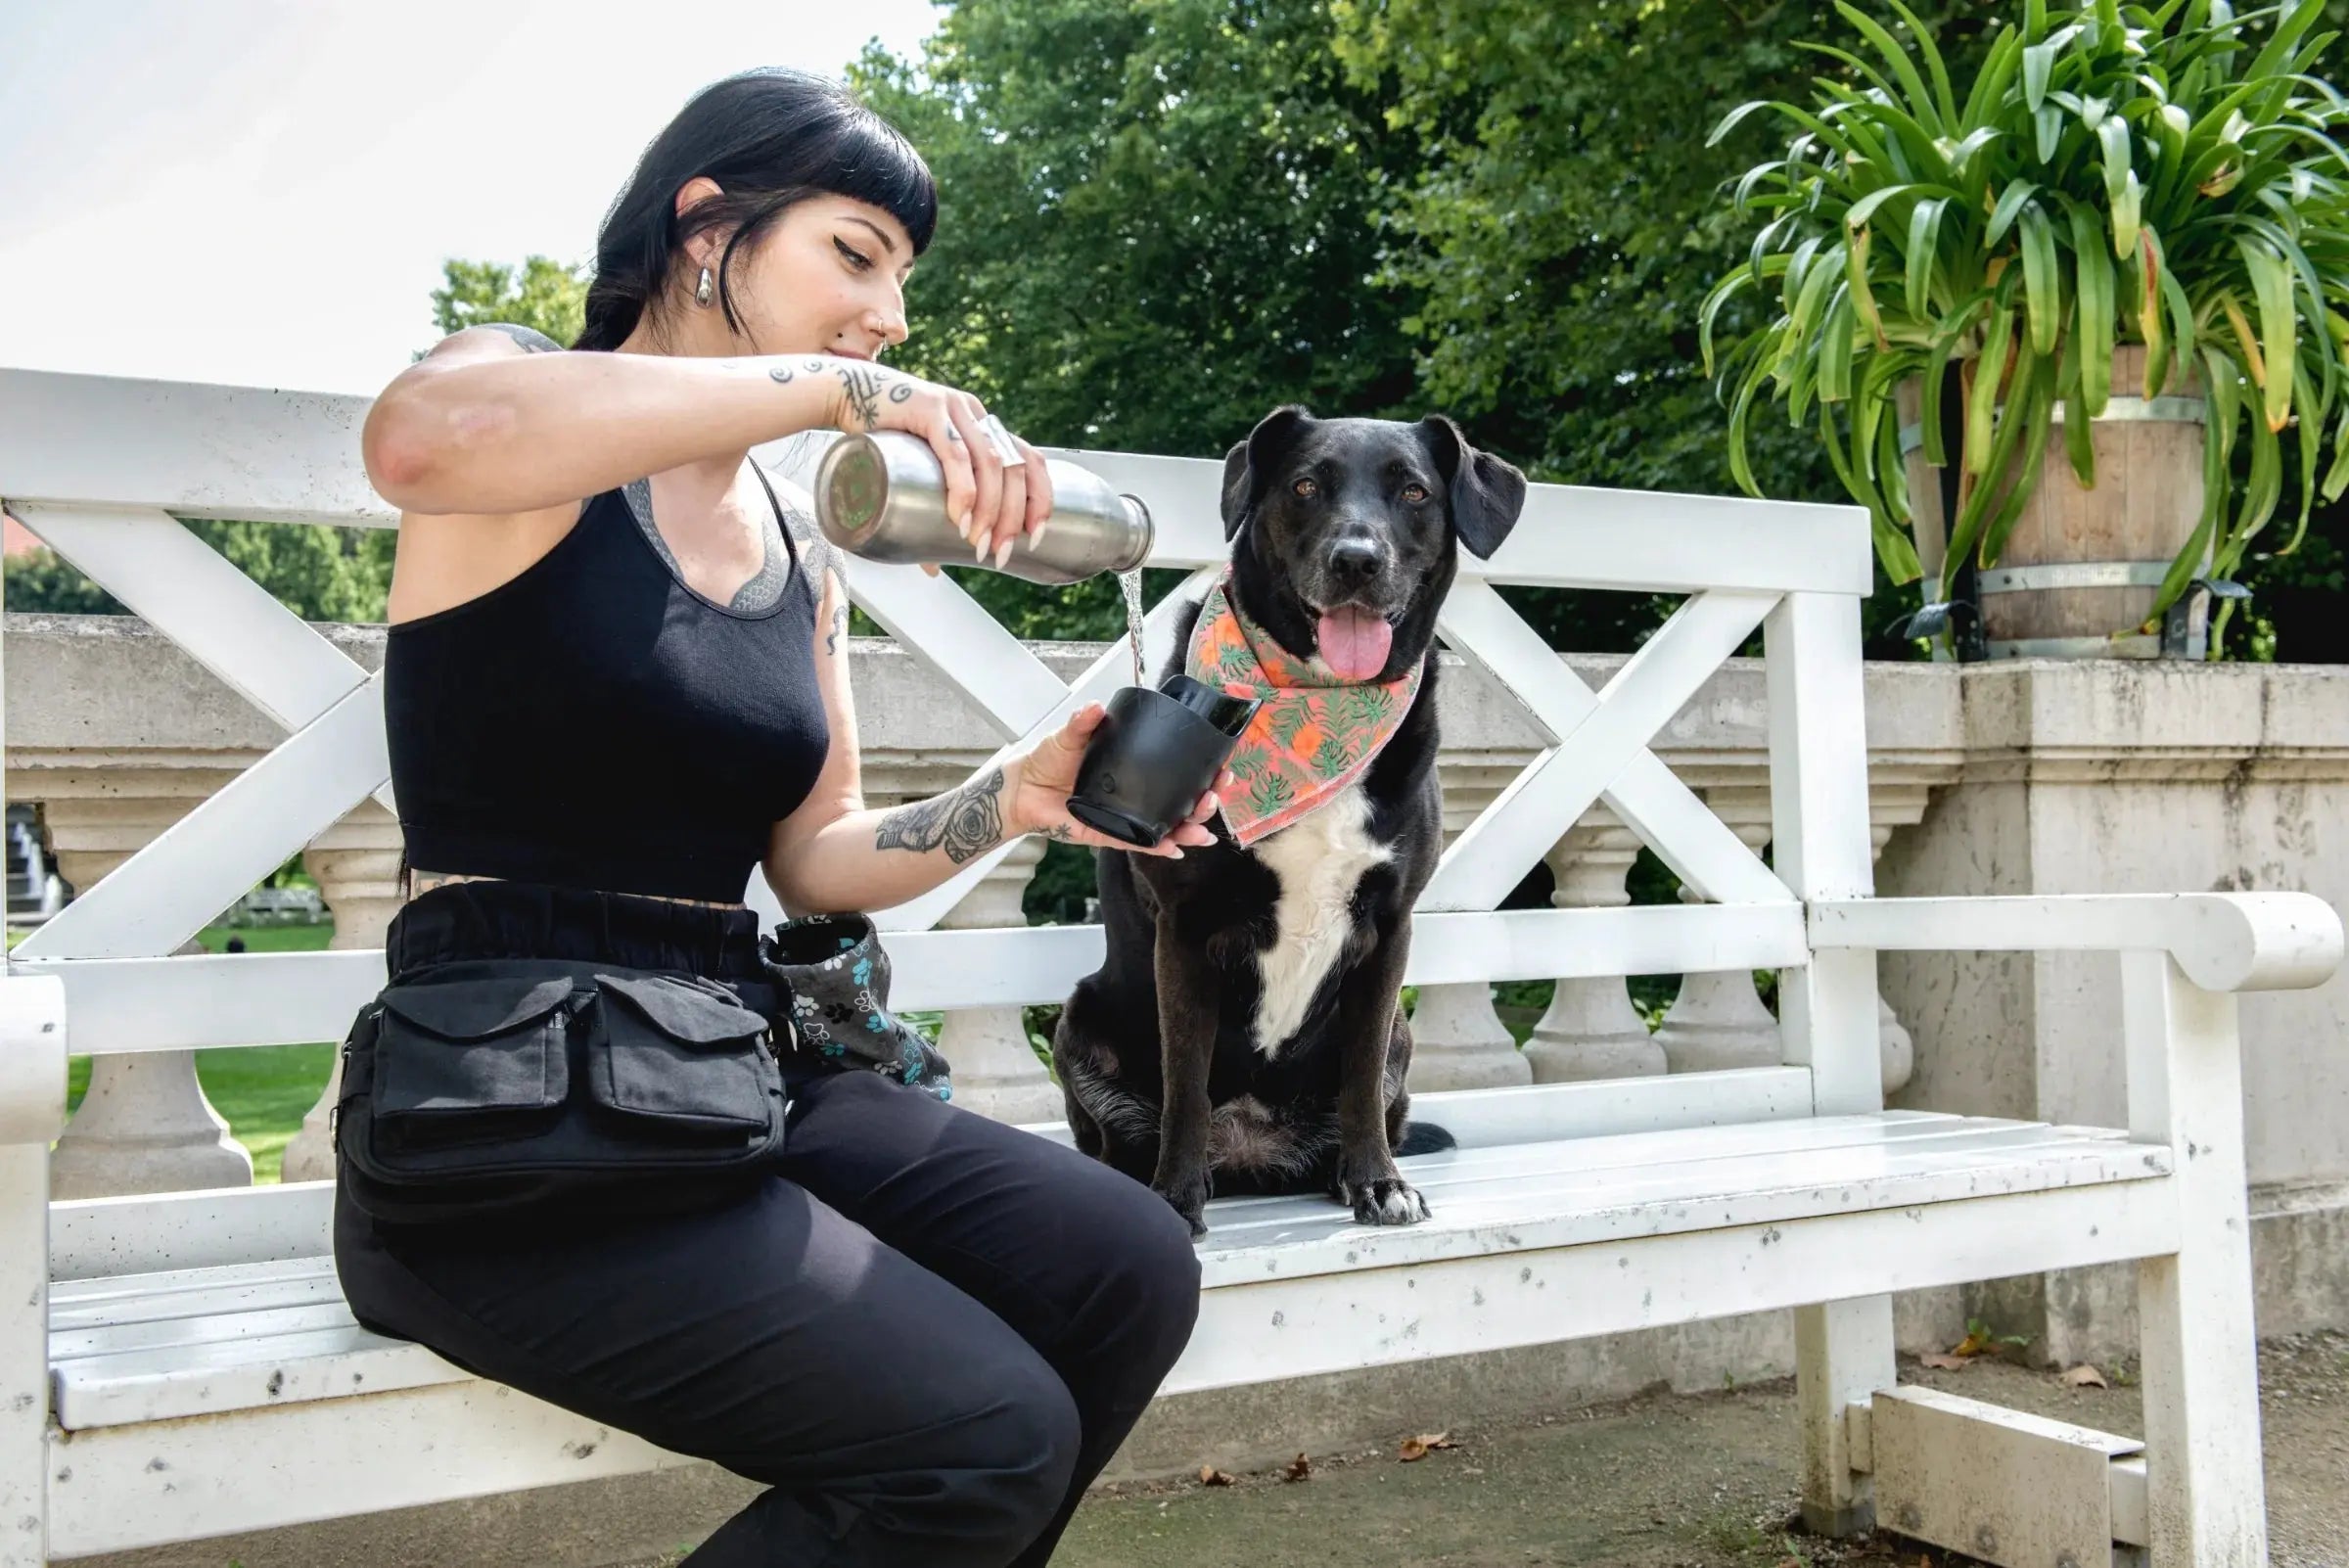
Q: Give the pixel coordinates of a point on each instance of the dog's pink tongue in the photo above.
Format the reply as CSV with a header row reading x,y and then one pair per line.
x,y
1354,642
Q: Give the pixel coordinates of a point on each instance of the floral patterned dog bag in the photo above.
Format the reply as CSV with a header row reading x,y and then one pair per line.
x,y
837,977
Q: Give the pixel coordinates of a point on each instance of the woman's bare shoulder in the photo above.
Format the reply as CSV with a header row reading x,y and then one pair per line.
x,y
491,339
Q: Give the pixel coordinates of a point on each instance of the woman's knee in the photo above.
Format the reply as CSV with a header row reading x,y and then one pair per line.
x,y
1023,1458
1148,1267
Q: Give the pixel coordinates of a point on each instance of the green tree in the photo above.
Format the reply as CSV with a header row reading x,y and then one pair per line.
x,y
1567,222
320,573
44,582
545,295
1158,219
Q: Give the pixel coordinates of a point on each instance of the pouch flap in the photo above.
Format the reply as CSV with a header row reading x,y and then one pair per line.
x,y
681,1011
476,1009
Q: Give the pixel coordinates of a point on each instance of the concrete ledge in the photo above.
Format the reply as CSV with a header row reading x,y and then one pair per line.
x,y
113,684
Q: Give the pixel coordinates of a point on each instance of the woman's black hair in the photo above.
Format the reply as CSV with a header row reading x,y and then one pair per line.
x,y
768,139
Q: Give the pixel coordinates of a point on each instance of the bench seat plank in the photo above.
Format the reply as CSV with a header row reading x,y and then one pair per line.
x,y
156,1346
117,1487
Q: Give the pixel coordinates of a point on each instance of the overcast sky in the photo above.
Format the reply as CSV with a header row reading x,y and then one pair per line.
x,y
262,193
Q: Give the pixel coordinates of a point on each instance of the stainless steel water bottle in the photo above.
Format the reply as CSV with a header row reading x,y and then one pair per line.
x,y
882,496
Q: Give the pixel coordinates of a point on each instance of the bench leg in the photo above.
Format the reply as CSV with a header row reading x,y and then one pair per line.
x,y
24,1355
2205,1485
1842,1356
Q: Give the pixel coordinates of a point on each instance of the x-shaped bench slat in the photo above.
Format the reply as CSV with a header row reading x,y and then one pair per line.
x,y
1600,751
335,759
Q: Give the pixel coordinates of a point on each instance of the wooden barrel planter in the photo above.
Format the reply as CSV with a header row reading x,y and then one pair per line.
x,y
2079,573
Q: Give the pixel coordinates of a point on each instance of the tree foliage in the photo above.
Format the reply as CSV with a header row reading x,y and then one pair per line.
x,y
1158,219
542,294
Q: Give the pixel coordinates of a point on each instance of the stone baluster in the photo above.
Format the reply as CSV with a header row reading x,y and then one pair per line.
x,y
1888,809
995,1071
1457,1041
356,866
1719,1020
145,1124
1591,1029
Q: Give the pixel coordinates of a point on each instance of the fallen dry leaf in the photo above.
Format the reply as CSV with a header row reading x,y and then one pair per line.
x,y
1418,1447
2085,1376
1210,1476
1299,1468
1944,1363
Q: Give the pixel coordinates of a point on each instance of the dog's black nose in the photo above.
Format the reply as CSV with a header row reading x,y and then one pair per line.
x,y
1354,561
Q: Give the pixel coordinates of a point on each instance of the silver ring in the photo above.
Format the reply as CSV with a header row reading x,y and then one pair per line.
x,y
997,437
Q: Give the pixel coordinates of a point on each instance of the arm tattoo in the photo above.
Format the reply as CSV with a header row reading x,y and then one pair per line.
x,y
819,563
839,624
861,385
536,342
966,822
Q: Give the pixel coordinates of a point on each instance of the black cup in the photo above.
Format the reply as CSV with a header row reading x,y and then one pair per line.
x,y
1154,756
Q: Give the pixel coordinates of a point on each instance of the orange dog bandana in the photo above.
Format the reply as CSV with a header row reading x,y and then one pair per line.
x,y
1316,732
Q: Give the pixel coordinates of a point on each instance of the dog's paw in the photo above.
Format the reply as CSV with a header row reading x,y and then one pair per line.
x,y
1385,1200
1188,1198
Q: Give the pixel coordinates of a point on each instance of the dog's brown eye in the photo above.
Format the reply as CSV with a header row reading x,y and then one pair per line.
x,y
1306,488
1415,494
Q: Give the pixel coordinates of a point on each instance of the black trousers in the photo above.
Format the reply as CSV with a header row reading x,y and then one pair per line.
x,y
927,1331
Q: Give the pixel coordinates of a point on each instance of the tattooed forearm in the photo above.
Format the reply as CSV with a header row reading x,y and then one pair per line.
x,y
536,342
861,385
965,823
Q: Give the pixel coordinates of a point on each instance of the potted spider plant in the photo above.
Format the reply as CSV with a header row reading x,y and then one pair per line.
x,y
2128,237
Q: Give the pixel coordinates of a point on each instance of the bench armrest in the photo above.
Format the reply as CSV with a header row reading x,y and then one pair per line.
x,y
33,1058
2223,941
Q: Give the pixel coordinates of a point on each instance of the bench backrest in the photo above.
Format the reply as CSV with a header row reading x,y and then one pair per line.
x,y
102,469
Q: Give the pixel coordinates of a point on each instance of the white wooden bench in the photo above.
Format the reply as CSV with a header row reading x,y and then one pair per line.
x,y
179,1366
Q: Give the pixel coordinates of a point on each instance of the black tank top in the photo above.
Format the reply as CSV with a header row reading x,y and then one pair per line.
x,y
597,724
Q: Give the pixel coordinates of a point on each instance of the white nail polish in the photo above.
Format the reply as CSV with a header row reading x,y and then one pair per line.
x,y
1004,552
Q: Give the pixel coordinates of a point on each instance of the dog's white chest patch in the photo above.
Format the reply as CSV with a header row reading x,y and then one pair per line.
x,y
1319,860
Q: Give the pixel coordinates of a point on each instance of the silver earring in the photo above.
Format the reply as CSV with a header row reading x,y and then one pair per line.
x,y
703,294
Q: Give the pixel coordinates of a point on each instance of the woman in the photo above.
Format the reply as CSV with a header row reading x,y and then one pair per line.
x,y
925,1331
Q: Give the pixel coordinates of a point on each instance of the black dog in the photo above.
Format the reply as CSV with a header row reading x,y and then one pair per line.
x,y
1248,1018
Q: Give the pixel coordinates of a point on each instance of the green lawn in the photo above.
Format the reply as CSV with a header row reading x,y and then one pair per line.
x,y
262,1091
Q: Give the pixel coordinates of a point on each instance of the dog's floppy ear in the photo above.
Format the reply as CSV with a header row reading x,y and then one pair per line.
x,y
1251,462
1486,494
